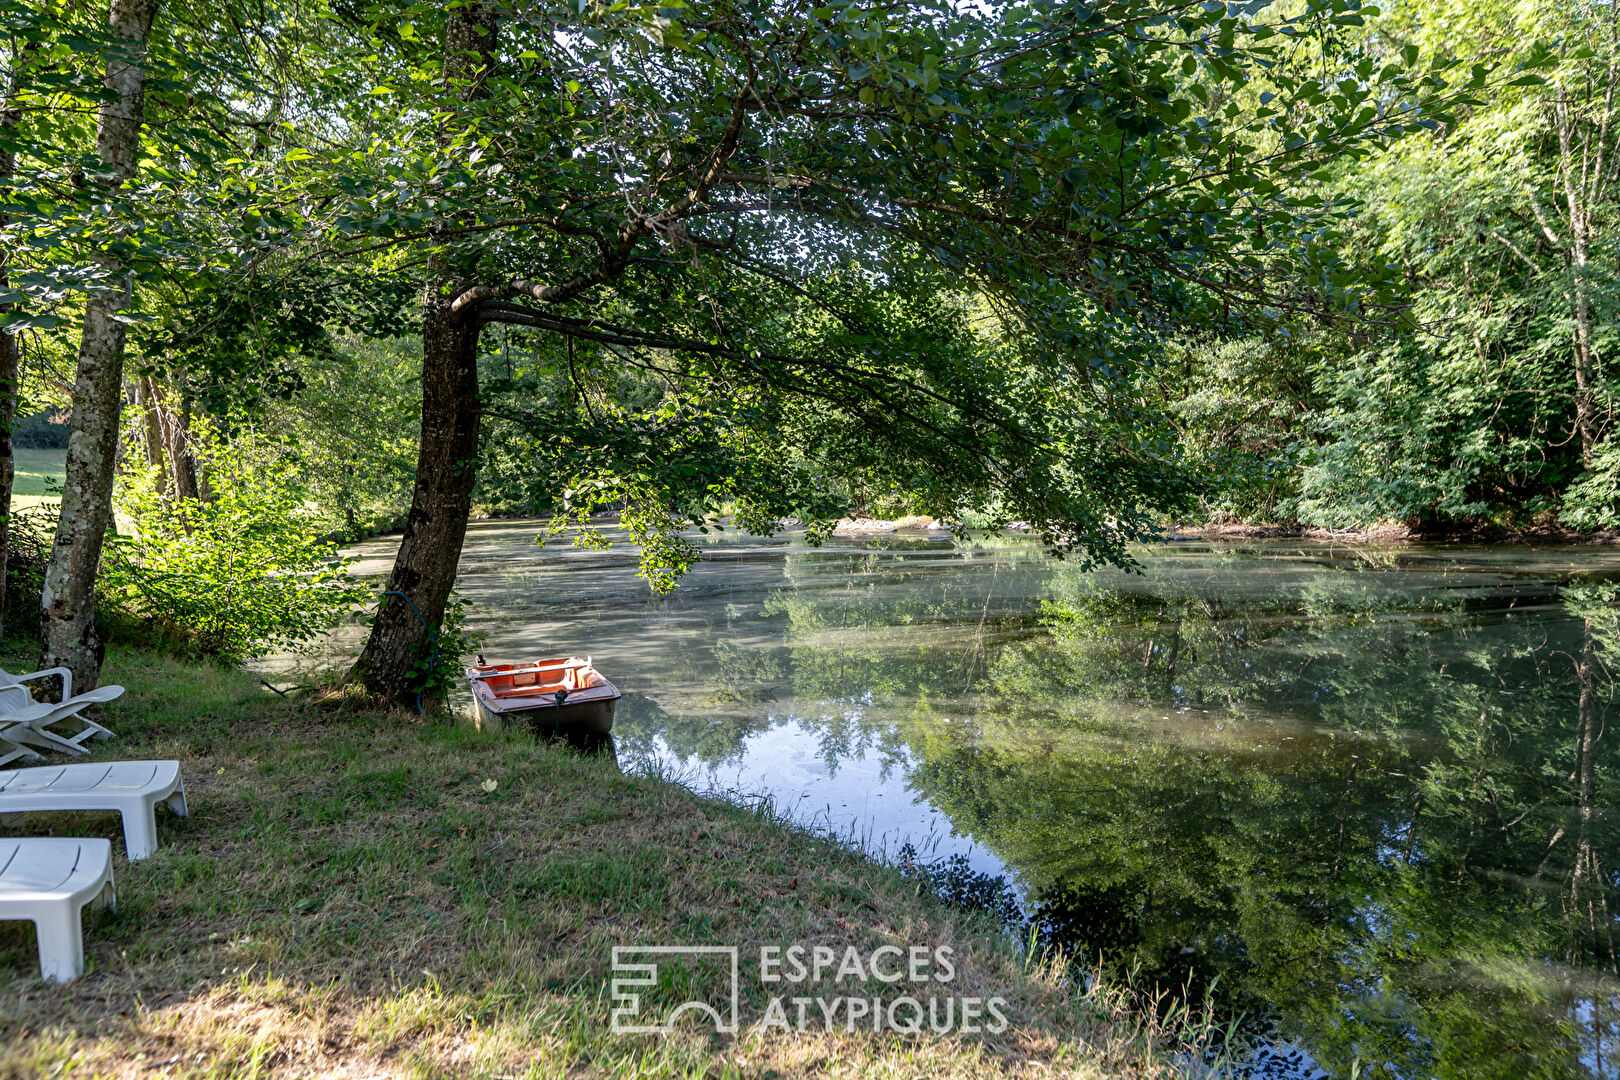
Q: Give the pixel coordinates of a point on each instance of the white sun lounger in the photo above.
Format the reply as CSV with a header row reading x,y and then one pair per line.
x,y
133,788
99,696
48,882
19,712
25,724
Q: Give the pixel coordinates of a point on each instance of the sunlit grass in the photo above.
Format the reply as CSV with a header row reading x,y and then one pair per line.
x,y
349,897
39,472
38,477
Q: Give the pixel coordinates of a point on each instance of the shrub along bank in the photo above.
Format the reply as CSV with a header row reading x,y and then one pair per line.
x,y
365,894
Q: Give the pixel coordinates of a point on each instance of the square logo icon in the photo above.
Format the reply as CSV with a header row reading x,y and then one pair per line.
x,y
637,970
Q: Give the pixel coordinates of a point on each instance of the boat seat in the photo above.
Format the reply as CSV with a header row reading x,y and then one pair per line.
x,y
531,689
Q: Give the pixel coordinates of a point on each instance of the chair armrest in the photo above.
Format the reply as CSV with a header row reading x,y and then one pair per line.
x,y
67,679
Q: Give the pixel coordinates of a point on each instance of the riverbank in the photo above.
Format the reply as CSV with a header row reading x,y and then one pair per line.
x,y
1390,532
361,894
1383,532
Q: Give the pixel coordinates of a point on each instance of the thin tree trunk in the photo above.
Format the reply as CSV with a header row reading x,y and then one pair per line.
x,y
1586,421
446,467
10,350
152,428
10,370
182,463
68,598
189,472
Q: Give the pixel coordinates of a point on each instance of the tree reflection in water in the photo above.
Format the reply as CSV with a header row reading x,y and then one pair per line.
x,y
1363,797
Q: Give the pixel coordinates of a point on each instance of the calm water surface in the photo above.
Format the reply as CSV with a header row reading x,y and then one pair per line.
x,y
1365,793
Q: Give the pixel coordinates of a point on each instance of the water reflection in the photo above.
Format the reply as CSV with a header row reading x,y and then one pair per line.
x,y
1363,796
581,739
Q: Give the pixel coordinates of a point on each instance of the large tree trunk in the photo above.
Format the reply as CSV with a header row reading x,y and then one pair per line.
x,y
446,466
68,600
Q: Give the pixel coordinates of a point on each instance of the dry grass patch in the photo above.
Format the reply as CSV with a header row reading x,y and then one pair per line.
x,y
352,897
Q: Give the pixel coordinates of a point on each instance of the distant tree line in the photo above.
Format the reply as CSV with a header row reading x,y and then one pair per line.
x,y
1488,398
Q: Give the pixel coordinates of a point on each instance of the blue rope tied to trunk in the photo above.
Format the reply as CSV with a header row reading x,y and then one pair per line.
x,y
433,640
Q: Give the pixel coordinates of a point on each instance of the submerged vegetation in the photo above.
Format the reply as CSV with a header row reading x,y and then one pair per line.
x,y
1356,799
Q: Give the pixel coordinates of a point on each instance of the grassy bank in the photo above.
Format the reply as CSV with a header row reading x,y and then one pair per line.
x,y
39,476
367,895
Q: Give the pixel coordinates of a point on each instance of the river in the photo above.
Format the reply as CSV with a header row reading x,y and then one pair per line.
x,y
1361,794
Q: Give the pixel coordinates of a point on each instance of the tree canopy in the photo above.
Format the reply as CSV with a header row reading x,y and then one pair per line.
x,y
758,260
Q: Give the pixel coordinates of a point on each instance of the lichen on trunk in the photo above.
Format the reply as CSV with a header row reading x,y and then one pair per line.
x,y
68,598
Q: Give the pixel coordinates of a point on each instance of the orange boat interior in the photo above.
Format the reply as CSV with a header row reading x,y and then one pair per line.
x,y
540,677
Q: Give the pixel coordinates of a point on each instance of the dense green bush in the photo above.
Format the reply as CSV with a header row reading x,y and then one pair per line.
x,y
1237,407
1593,502
32,531
351,432
235,575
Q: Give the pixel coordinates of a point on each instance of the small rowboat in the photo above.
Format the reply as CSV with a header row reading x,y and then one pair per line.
x,y
549,695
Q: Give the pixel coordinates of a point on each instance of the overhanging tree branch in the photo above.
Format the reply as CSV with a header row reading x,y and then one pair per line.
x,y
617,258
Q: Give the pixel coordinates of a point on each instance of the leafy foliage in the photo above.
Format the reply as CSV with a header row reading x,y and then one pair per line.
x,y
922,252
233,576
1488,400
350,431
442,655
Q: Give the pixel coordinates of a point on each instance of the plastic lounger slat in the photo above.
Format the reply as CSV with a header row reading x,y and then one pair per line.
x,y
48,882
132,788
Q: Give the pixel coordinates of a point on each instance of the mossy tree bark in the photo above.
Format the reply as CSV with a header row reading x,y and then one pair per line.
x,y
68,598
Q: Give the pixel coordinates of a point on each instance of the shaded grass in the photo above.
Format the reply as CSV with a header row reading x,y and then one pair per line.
x,y
353,896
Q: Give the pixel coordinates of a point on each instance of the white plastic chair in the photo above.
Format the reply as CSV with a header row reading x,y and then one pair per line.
x,y
132,788
25,724
11,749
48,882
18,711
8,679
